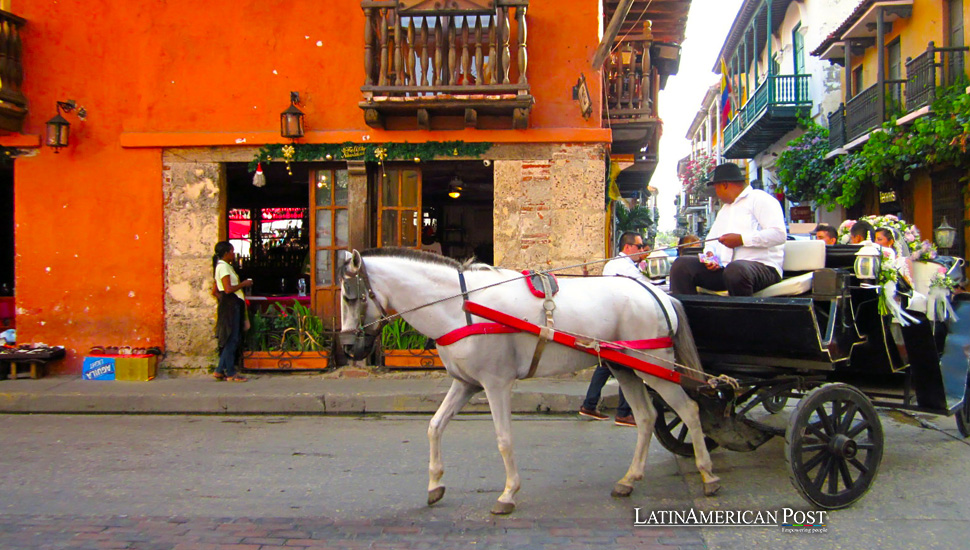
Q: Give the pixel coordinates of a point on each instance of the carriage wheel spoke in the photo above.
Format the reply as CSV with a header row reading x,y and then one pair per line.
x,y
863,469
825,420
857,429
846,474
847,417
813,428
813,447
682,436
865,446
811,463
673,424
834,475
822,472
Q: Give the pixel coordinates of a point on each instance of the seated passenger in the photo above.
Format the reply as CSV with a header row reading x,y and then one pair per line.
x,y
861,231
750,233
893,251
826,233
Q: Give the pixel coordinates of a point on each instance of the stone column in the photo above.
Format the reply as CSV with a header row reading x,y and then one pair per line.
x,y
194,199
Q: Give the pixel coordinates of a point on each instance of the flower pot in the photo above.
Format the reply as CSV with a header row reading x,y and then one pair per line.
x,y
279,361
412,359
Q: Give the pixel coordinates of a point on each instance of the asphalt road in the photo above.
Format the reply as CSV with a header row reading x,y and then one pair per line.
x,y
361,481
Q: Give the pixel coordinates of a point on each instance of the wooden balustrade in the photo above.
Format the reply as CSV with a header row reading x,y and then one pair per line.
x,y
428,55
13,103
627,82
930,70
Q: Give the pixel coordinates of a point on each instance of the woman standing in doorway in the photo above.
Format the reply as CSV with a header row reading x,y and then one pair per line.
x,y
231,311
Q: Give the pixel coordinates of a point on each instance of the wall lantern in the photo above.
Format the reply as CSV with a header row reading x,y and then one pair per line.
x,y
291,120
944,234
658,264
867,261
455,187
58,128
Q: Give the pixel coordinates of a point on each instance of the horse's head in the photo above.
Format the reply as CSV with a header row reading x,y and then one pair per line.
x,y
361,314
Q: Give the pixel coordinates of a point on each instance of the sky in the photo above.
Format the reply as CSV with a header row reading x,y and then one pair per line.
x,y
708,23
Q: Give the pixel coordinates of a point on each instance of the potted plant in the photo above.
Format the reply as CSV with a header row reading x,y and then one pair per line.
x,y
286,338
402,347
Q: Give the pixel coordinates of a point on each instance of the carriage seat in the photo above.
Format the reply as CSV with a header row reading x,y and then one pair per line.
x,y
802,258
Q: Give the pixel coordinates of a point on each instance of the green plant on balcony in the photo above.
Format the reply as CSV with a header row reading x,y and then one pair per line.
x,y
896,152
803,171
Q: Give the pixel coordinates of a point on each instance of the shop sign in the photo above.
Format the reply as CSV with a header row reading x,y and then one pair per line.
x,y
801,213
353,151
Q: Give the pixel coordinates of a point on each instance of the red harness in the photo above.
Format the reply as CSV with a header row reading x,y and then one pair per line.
x,y
611,351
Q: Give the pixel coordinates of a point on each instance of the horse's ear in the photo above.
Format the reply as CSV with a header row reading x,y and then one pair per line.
x,y
353,266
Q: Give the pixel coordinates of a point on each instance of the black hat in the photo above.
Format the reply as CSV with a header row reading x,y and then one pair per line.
x,y
727,172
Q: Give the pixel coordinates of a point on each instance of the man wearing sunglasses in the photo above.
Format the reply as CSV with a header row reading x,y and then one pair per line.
x,y
627,262
632,251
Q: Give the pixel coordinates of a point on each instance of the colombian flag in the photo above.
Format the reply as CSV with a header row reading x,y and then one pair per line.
x,y
725,95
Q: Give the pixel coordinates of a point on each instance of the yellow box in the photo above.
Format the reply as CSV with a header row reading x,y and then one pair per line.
x,y
140,368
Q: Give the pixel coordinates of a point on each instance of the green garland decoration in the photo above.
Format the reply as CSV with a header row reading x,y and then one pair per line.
x,y
369,152
7,154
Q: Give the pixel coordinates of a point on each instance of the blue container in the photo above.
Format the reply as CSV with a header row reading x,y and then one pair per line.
x,y
98,368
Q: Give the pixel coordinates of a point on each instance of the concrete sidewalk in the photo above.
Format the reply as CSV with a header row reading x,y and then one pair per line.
x,y
278,394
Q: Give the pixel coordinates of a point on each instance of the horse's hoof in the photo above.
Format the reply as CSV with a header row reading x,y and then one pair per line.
x,y
503,508
435,495
711,489
620,490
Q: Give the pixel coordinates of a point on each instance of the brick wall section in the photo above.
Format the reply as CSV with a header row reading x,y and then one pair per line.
x,y
549,206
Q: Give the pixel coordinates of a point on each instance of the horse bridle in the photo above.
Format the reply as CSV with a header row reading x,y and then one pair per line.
x,y
358,287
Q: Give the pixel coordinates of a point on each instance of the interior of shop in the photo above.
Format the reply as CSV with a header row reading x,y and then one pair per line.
x,y
457,209
269,226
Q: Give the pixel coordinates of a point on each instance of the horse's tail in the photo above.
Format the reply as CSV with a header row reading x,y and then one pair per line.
x,y
684,346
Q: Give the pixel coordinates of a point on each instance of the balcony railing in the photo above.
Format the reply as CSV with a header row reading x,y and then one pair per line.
x,y
13,103
418,57
862,112
626,82
837,127
934,68
776,90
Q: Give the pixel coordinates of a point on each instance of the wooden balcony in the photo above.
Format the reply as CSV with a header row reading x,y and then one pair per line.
x,y
837,127
770,113
13,104
931,70
428,67
863,112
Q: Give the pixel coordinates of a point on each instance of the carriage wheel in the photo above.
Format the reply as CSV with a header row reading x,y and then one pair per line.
x,y
775,404
671,430
833,446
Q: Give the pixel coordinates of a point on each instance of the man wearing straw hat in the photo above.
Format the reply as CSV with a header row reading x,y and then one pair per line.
x,y
749,248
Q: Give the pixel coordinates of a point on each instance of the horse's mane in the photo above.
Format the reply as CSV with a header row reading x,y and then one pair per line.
x,y
425,257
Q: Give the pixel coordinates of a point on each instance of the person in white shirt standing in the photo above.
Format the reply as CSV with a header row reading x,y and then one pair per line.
x,y
632,250
750,233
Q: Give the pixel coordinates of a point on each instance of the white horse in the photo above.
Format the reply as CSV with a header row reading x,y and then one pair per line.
x,y
380,282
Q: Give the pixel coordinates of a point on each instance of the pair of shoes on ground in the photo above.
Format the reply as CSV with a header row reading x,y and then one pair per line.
x,y
223,378
596,415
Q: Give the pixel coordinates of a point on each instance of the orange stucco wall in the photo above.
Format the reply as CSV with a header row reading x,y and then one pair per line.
x,y
89,228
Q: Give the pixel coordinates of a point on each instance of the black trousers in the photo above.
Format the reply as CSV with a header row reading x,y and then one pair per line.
x,y
739,278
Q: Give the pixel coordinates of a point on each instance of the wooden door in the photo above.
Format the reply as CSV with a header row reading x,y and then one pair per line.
x,y
399,208
329,220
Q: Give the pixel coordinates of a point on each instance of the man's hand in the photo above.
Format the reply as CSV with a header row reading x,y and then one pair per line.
x,y
731,240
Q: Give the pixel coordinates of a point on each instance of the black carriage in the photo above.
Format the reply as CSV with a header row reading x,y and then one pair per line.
x,y
828,346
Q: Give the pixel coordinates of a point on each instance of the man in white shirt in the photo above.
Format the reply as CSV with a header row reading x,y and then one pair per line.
x,y
750,233
632,251
626,263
